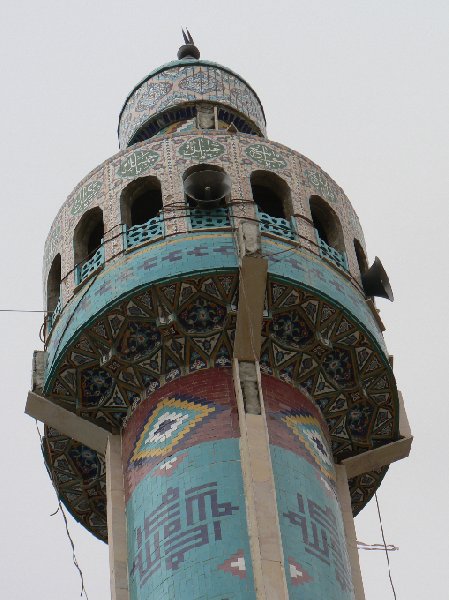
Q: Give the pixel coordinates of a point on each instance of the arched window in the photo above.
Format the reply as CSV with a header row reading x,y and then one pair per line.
x,y
88,244
326,223
53,293
361,258
207,189
141,210
88,235
141,201
273,201
329,232
54,284
271,194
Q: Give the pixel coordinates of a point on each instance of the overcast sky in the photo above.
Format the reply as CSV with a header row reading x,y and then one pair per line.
x,y
361,88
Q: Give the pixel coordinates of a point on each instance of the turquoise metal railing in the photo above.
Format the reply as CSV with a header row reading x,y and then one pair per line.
x,y
86,268
209,218
274,225
338,258
139,234
54,315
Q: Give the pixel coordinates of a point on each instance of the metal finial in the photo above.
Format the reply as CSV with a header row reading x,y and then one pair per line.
x,y
187,37
188,50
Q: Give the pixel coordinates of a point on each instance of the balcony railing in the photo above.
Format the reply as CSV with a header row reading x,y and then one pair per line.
x,y
209,218
89,266
51,319
338,258
140,234
275,225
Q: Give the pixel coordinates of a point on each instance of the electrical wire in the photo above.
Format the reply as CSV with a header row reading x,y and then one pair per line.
x,y
363,546
385,545
20,310
62,511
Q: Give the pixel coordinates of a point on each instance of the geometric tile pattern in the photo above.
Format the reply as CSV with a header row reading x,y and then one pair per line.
x,y
312,345
199,81
307,429
170,421
184,327
298,574
151,339
363,488
235,565
78,474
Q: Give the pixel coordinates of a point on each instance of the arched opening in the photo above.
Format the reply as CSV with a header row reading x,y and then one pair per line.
x,y
271,194
207,189
88,236
329,232
141,201
54,284
141,210
326,223
361,257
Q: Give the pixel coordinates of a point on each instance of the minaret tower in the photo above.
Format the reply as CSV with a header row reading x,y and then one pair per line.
x,y
217,396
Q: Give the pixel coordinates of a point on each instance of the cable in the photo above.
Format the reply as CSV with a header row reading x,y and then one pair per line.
x,y
363,546
19,310
61,509
385,545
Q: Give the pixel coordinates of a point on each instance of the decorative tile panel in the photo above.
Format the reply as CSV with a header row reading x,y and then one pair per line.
x,y
322,185
265,156
85,196
186,513
312,531
137,163
183,82
201,149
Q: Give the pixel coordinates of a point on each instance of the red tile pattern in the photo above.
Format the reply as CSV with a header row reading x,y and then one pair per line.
x,y
215,387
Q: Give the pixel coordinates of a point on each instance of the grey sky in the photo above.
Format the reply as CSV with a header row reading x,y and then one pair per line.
x,y
361,88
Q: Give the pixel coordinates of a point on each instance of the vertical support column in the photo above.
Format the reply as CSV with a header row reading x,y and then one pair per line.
x,y
262,514
116,519
350,533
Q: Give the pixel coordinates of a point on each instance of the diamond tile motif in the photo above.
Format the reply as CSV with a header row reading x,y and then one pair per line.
x,y
235,565
171,420
308,430
297,573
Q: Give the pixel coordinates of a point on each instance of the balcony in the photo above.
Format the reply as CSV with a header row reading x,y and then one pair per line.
x,y
331,254
141,234
275,225
51,319
209,218
89,266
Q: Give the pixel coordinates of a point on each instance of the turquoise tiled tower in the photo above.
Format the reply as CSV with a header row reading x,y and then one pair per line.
x,y
217,393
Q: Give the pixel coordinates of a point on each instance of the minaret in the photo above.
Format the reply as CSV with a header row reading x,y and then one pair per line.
x,y
217,395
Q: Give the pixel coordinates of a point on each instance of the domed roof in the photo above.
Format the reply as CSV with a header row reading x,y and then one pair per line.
x,y
181,84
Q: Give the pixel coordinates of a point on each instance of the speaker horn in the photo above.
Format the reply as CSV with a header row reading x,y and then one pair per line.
x,y
207,188
375,281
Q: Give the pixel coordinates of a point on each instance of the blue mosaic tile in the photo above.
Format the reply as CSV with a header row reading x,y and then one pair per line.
x,y
187,533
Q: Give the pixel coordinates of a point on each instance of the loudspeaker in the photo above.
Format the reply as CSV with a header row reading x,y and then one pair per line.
x,y
375,281
207,188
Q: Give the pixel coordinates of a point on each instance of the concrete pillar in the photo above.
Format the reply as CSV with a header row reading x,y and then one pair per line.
x,y
350,533
118,555
263,524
